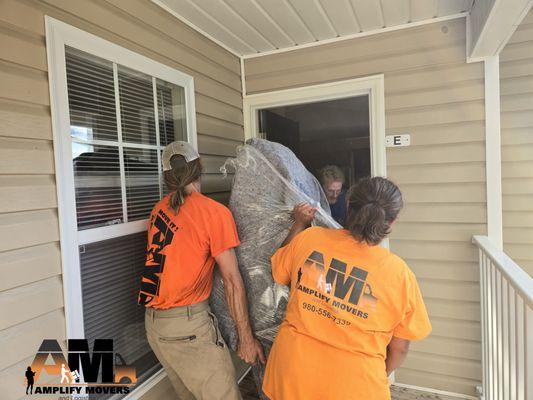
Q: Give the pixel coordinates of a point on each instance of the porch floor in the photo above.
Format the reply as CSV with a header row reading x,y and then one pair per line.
x,y
249,392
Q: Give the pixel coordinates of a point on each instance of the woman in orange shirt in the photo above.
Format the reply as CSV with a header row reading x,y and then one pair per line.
x,y
353,305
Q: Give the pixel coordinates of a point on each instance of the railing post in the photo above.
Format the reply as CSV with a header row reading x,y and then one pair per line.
x,y
512,343
483,303
494,335
520,349
488,327
528,334
505,339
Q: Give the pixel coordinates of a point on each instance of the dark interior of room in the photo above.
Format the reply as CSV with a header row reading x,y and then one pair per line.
x,y
327,132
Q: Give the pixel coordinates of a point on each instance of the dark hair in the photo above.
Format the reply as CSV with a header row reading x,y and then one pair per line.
x,y
373,204
180,175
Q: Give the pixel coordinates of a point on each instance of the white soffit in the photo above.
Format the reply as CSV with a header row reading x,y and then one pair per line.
x,y
249,28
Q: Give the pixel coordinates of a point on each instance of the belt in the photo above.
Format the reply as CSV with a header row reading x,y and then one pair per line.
x,y
179,311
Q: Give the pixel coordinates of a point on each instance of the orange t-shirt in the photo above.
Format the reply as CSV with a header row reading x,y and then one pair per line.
x,y
181,250
347,300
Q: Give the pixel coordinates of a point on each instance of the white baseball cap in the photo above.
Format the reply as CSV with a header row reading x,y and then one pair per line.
x,y
180,148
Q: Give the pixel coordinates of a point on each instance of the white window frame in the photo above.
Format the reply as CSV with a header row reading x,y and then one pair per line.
x,y
59,35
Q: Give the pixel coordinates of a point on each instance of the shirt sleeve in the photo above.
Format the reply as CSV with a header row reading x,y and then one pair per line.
x,y
284,259
415,324
222,231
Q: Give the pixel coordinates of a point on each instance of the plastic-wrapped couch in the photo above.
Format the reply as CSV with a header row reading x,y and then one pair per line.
x,y
269,181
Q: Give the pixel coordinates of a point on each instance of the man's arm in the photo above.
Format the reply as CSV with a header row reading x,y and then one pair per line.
x,y
396,352
249,347
303,214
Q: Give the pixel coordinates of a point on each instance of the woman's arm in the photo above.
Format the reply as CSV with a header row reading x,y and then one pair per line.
x,y
396,352
249,347
303,214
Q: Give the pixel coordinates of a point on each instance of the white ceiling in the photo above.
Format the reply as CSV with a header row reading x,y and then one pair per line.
x,y
248,27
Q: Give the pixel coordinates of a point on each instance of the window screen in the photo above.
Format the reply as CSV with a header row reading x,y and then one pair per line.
x,y
120,120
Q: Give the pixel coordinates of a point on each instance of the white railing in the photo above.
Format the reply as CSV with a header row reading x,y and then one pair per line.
x,y
506,325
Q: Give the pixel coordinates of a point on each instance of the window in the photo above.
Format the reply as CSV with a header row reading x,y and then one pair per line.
x,y
116,139
113,113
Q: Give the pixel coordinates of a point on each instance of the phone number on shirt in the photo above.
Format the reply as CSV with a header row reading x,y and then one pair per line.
x,y
325,313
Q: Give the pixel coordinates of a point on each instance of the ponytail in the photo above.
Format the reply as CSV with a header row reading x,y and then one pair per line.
x,y
177,198
373,204
181,174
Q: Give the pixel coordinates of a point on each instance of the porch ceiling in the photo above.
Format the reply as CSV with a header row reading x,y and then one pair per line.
x,y
248,27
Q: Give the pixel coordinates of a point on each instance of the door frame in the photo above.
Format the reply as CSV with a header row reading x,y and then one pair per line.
x,y
373,86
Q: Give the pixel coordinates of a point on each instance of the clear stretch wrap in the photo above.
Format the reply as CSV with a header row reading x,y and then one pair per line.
x,y
269,181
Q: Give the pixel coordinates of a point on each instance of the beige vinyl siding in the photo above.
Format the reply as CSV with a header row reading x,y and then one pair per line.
x,y
516,94
432,94
31,293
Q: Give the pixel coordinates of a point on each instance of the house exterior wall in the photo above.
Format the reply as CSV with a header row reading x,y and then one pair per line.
x,y
516,95
433,94
31,297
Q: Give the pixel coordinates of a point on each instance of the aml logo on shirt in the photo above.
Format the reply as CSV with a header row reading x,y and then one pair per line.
x,y
155,260
352,288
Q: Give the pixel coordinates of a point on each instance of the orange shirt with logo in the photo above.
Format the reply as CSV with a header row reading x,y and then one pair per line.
x,y
347,300
181,251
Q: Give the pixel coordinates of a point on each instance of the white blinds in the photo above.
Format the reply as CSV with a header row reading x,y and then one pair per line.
x,y
116,153
97,187
142,177
91,96
136,107
171,107
110,273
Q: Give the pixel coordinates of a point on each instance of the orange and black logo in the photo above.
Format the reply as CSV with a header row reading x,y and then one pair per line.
x,y
82,372
342,289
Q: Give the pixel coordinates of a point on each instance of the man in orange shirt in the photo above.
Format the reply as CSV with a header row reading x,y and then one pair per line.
x,y
187,233
353,306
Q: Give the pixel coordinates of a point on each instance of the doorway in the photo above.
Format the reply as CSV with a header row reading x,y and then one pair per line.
x,y
332,132
340,123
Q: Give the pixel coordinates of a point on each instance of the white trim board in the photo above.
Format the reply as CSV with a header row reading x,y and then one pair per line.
x,y
243,78
493,163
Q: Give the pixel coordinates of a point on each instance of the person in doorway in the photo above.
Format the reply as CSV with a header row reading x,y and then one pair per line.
x,y
187,233
332,180
343,340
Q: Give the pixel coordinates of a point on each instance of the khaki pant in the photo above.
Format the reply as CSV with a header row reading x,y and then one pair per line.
x,y
188,344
